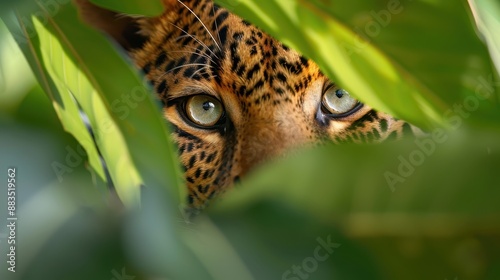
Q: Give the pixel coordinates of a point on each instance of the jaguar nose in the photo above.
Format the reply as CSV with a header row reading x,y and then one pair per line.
x,y
266,140
258,146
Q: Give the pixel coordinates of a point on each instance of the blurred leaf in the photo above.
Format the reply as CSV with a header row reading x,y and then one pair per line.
x,y
64,106
146,8
154,238
487,15
404,58
213,249
338,179
446,192
15,75
271,240
126,122
43,205
73,227
7,5
69,230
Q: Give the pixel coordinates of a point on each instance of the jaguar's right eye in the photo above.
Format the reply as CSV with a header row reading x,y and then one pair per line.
x,y
339,103
204,110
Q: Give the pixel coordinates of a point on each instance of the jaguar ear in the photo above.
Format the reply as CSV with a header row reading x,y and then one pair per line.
x,y
131,32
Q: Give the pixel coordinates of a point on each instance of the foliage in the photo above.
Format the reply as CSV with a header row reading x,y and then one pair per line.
x,y
415,209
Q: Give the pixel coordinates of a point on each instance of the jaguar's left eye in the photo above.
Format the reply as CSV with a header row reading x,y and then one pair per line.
x,y
339,103
204,110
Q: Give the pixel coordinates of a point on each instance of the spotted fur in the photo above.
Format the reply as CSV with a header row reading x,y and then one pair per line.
x,y
270,93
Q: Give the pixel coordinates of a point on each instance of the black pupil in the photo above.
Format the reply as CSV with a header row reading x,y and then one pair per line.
x,y
339,93
208,105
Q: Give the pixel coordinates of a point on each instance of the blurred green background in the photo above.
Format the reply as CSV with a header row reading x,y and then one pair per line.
x,y
414,209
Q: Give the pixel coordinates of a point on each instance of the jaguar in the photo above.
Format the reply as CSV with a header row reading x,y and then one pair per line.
x,y
235,96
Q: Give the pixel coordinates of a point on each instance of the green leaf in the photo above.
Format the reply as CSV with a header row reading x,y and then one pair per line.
x,y
67,58
443,202
487,14
15,76
6,5
145,8
64,105
412,59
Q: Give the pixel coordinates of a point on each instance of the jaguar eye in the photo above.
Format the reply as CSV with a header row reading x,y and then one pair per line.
x,y
338,102
204,110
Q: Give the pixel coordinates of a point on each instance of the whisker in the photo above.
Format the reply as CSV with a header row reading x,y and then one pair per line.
x,y
188,35
196,72
180,37
185,65
194,38
216,24
197,53
181,66
204,26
